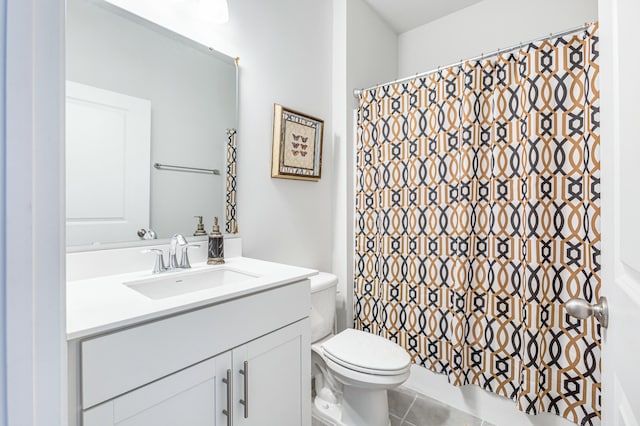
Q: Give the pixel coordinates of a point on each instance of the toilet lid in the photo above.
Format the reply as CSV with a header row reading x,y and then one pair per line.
x,y
366,352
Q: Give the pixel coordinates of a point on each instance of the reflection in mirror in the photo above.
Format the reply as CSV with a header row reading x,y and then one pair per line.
x,y
137,95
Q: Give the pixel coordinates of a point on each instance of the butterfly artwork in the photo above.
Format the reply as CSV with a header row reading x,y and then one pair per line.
x,y
301,146
297,145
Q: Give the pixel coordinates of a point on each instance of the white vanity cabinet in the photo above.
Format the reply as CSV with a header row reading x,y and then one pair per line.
x,y
276,379
188,397
245,361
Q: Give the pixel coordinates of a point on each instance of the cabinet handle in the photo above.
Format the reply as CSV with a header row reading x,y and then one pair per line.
x,y
229,410
245,401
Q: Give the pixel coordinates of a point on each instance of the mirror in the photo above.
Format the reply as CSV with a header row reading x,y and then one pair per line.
x,y
138,95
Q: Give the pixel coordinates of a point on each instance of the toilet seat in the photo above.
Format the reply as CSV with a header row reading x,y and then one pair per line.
x,y
366,353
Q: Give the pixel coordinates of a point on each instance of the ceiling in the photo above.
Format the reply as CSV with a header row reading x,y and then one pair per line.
x,y
405,15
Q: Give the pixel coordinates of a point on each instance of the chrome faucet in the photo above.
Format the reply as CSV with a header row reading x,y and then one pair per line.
x,y
176,240
179,240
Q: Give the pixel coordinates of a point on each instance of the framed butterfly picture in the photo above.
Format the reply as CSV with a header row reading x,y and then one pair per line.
x,y
297,145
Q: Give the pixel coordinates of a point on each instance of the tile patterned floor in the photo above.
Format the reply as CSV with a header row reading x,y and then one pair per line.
x,y
408,408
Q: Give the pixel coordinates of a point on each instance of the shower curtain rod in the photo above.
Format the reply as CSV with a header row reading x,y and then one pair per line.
x,y
358,92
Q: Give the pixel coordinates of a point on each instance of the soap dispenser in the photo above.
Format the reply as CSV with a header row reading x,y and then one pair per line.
x,y
200,231
216,245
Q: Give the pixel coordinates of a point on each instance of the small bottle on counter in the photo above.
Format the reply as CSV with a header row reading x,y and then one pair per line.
x,y
216,245
200,231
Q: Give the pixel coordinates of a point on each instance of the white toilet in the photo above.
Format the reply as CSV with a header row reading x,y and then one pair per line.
x,y
353,369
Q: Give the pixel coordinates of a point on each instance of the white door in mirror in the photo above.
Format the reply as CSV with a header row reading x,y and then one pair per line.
x,y
108,139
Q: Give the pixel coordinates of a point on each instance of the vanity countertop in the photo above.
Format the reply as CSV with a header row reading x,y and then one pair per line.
x,y
103,304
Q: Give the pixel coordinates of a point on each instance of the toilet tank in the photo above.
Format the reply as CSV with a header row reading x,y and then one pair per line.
x,y
323,304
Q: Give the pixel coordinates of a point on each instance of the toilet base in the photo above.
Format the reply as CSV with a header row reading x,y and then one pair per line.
x,y
348,413
327,412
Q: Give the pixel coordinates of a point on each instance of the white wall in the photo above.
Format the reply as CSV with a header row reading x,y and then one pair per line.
x,y
33,273
372,48
341,157
365,52
192,94
486,27
285,57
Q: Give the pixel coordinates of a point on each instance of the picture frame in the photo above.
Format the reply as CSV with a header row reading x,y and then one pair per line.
x,y
297,145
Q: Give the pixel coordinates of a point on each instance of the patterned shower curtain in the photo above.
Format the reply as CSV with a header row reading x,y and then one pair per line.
x,y
477,218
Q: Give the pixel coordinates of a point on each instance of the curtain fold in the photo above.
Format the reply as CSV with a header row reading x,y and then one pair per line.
x,y
477,218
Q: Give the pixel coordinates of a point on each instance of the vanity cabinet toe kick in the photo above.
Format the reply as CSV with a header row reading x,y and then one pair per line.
x,y
241,362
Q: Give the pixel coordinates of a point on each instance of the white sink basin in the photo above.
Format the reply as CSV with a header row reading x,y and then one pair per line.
x,y
177,283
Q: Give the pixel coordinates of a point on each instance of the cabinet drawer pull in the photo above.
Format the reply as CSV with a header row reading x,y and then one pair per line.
x,y
245,401
229,410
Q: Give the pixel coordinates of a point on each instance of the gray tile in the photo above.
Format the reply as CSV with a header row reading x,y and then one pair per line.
x,y
429,412
400,400
407,408
395,421
461,418
317,422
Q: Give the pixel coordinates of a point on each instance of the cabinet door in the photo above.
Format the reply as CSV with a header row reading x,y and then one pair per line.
x,y
194,396
276,385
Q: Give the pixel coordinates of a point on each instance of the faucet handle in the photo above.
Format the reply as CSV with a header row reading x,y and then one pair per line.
x,y
184,260
159,265
178,240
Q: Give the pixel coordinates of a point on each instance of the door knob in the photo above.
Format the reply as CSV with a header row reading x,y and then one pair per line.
x,y
582,309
